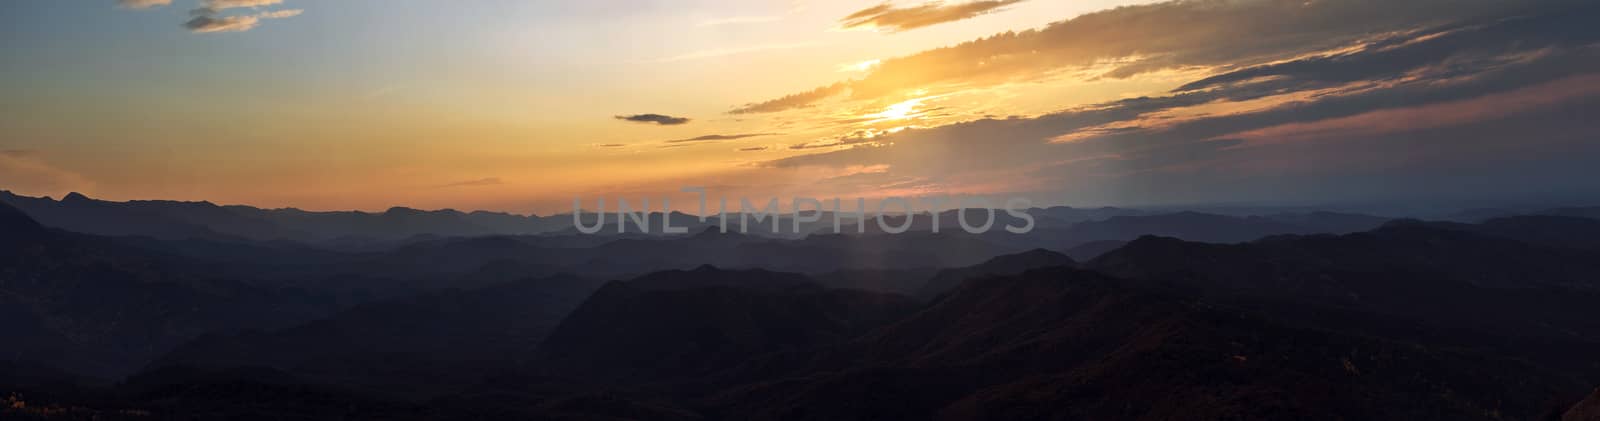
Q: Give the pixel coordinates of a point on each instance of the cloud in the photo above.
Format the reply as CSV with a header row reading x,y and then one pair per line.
x,y
753,149
490,181
207,20
928,14
794,101
1490,102
664,120
219,5
862,136
611,145
716,137
1177,34
142,4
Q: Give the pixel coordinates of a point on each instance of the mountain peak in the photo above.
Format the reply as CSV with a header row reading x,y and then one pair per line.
x,y
401,210
75,197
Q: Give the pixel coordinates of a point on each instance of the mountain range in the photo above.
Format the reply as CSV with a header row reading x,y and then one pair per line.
x,y
1312,315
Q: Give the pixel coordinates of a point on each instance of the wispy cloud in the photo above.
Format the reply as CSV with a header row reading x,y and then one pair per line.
x,y
716,137
610,145
142,4
207,20
234,4
800,100
490,181
894,19
660,119
1149,38
211,16
858,137
753,149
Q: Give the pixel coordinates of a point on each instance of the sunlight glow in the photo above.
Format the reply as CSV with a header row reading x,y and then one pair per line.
x,y
899,111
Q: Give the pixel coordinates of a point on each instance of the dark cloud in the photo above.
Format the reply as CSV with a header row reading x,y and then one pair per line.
x,y
753,149
664,120
716,137
208,19
926,14
611,145
1158,36
490,181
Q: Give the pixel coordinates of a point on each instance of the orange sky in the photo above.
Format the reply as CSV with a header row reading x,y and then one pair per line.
x,y
488,105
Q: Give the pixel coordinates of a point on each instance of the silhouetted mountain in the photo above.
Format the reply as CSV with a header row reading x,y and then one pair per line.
x,y
1061,343
78,213
897,281
1484,214
1550,231
1319,222
1069,215
678,325
437,339
1592,212
1010,264
1410,320
1090,250
19,228
1409,281
94,306
1211,228
184,220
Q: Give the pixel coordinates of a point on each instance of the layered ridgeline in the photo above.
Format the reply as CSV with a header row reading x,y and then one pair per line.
x,y
1409,320
175,220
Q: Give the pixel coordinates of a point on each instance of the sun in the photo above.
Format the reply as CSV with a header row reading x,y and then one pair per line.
x,y
899,111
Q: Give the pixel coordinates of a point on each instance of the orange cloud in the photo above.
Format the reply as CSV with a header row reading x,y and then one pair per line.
x,y
926,14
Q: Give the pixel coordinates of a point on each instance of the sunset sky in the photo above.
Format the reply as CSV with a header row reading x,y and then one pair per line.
x,y
522,105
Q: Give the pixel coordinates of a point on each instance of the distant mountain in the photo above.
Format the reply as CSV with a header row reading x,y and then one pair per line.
x,y
1007,265
676,326
1069,215
78,213
97,307
1211,228
1484,214
185,220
